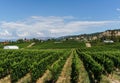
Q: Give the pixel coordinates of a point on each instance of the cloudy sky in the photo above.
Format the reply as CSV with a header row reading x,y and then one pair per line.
x,y
55,18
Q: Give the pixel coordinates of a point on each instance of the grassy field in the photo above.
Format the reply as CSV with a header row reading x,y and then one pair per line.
x,y
58,45
49,45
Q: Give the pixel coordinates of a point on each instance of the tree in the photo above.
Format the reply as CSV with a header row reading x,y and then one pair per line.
x,y
20,40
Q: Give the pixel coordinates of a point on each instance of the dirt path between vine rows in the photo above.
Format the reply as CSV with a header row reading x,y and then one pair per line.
x,y
113,81
66,71
25,79
46,76
115,77
6,79
31,45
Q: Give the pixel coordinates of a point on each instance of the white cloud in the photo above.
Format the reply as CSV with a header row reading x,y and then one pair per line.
x,y
22,34
51,26
118,9
5,33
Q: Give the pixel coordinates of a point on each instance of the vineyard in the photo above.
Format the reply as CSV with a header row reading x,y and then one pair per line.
x,y
83,65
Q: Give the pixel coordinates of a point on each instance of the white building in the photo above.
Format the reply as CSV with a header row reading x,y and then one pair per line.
x,y
11,47
108,41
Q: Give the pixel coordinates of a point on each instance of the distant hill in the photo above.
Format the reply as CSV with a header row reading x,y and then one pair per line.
x,y
44,38
108,34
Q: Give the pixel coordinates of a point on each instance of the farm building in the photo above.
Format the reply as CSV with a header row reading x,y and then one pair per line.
x,y
11,47
108,41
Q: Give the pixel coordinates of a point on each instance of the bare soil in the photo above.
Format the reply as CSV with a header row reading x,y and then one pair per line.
x,y
30,45
88,45
115,78
6,79
46,76
110,79
83,76
25,79
66,71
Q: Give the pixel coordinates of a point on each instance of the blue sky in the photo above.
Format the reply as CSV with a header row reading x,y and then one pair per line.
x,y
54,18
